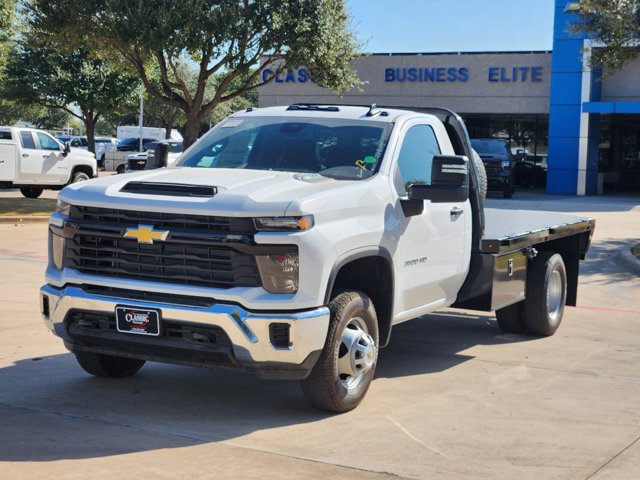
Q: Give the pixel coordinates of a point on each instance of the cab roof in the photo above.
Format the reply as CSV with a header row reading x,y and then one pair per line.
x,y
350,112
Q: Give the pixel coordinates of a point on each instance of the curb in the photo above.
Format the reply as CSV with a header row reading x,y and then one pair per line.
x,y
629,260
22,220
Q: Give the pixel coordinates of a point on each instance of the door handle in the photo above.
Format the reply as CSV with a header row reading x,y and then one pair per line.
x,y
25,155
456,212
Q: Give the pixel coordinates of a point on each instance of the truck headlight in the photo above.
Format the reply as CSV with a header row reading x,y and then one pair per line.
x,y
283,224
506,165
63,208
279,272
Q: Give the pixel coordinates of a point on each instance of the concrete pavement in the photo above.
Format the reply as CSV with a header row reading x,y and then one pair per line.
x,y
453,397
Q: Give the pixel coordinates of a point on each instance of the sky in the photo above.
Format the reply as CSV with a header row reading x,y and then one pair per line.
x,y
421,26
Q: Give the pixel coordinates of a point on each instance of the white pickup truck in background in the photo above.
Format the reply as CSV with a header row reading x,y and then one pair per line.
x,y
32,160
288,241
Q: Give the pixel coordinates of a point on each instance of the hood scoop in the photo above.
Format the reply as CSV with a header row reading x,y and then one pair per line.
x,y
170,189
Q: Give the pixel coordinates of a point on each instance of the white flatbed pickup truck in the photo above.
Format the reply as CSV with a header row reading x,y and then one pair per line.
x,y
288,241
32,160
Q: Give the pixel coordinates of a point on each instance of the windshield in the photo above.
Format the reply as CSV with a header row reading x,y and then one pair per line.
x,y
175,147
490,147
129,141
337,148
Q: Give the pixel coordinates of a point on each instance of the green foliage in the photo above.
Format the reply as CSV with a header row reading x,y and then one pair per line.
x,y
75,81
225,39
11,111
47,118
615,24
7,29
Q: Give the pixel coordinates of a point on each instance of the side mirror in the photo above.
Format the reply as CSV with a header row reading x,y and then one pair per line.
x,y
67,149
449,181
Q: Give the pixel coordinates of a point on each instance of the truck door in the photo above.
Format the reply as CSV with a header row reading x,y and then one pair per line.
x,y
30,161
8,152
42,160
433,246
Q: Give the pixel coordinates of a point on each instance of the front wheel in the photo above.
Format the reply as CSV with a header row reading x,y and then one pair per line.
x,y
79,177
31,192
341,377
108,366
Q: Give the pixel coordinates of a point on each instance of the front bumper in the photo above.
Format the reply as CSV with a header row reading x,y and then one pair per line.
x,y
207,335
498,181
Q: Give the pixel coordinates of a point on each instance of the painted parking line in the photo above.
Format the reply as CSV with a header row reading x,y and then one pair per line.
x,y
21,256
607,309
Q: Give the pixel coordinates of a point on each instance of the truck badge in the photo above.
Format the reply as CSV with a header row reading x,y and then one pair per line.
x,y
146,234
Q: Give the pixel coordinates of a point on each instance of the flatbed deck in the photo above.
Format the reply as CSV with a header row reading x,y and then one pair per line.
x,y
508,230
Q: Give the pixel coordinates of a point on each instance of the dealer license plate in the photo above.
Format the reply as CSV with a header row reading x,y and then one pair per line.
x,y
141,321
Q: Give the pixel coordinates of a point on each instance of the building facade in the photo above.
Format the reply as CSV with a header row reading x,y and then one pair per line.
x,y
571,129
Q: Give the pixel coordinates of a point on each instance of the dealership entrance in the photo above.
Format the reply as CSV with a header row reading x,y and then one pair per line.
x,y
619,153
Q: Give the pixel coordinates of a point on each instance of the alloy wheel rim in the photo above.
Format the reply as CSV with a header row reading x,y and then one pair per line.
x,y
554,295
357,353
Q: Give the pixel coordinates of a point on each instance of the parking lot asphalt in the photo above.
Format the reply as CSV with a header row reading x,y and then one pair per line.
x,y
453,397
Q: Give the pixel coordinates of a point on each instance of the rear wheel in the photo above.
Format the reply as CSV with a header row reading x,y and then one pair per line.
x,y
107,366
341,377
31,192
546,294
120,169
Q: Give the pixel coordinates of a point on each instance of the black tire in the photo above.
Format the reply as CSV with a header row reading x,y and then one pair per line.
x,y
341,377
120,169
107,366
80,177
482,173
546,294
31,192
510,318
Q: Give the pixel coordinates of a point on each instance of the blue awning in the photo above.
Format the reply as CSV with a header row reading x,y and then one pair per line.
x,y
611,107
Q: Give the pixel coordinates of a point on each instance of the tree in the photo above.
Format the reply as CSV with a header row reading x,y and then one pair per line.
x,y
83,85
7,29
616,25
158,113
47,118
227,38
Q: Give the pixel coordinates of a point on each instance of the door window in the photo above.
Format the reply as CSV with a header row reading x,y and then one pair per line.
x,y
416,157
47,142
27,140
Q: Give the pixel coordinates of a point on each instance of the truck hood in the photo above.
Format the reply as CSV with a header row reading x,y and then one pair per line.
x,y
239,192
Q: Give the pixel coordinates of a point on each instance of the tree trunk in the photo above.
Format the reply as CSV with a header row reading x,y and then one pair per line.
x,y
191,129
167,129
90,128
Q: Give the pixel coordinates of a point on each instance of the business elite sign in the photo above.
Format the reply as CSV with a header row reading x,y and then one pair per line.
x,y
498,74
461,74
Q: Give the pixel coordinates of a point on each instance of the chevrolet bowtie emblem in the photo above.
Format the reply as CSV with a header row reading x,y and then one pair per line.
x,y
146,234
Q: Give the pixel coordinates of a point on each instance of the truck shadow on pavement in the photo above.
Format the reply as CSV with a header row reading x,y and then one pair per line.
x,y
52,410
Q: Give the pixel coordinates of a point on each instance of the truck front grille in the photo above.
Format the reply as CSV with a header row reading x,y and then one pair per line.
x,y
195,253
165,221
493,167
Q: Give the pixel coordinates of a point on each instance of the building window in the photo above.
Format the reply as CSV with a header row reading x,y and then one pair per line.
x,y
527,136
